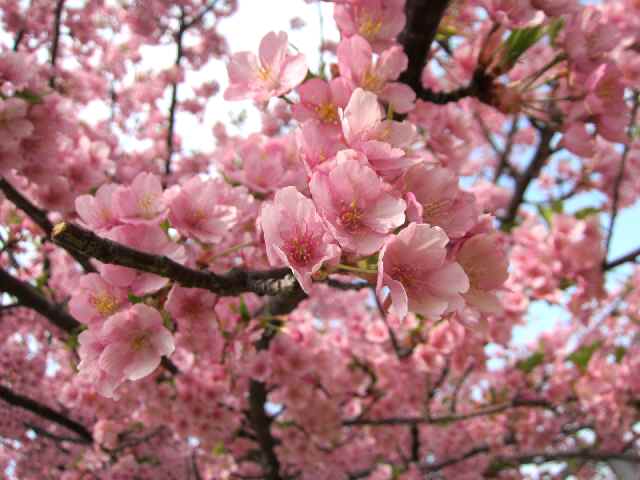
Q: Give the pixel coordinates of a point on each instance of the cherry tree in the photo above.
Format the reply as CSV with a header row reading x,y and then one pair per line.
x,y
335,294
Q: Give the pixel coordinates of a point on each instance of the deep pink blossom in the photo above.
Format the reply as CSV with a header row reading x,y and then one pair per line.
x,y
295,235
420,279
356,203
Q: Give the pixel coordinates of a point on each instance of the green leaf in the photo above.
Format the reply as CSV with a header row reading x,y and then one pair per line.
x,y
619,353
244,311
585,212
29,96
546,213
134,298
554,28
165,225
557,206
519,41
218,449
528,364
582,355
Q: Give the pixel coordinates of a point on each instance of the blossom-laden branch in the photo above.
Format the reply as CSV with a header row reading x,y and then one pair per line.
x,y
39,217
446,419
55,44
234,282
632,256
531,172
26,403
28,296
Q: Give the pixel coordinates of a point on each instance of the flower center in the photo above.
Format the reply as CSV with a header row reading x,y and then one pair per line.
x,y
300,249
369,27
264,74
372,82
138,342
407,275
146,204
351,217
328,112
434,210
105,304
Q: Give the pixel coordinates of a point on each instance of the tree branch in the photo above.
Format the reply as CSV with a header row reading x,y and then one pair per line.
x,y
423,18
57,21
30,297
532,171
45,412
39,217
632,256
446,419
234,282
174,93
620,176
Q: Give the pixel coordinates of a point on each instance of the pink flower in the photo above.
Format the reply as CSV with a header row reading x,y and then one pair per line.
x,y
95,300
436,199
97,211
194,212
321,100
483,259
14,125
273,73
383,142
136,340
379,21
356,204
414,267
317,143
190,306
356,65
142,201
295,235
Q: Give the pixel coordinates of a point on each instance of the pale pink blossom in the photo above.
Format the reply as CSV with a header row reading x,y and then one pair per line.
x,y
194,212
317,144
356,204
322,100
136,340
434,197
191,306
272,73
379,21
97,211
140,202
413,265
95,300
295,235
356,65
484,260
14,124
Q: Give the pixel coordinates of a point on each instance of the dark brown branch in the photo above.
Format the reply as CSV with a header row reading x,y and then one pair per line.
x,y
18,40
55,44
629,257
39,217
446,419
200,15
504,157
174,93
234,282
435,467
531,172
45,412
423,18
30,297
620,176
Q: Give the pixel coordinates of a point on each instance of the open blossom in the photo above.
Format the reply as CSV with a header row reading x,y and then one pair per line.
x,y
484,260
272,73
140,202
190,306
322,100
356,64
95,300
379,21
193,212
382,141
318,143
295,235
14,124
133,343
436,199
414,267
352,198
97,211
